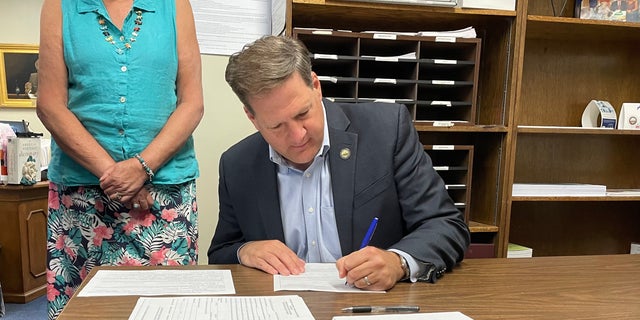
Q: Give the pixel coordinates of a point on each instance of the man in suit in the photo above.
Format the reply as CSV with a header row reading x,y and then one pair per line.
x,y
306,187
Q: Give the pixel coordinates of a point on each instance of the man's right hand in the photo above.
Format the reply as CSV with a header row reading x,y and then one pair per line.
x,y
271,256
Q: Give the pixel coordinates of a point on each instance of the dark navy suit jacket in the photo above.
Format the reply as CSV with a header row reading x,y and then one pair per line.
x,y
387,175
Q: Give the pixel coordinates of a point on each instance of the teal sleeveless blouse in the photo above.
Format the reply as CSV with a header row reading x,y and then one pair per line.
x,y
123,96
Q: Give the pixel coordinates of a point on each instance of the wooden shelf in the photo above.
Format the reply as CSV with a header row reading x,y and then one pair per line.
x,y
428,126
477,227
576,199
592,31
576,130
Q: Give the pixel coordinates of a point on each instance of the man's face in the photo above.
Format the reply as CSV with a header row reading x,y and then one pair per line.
x,y
291,119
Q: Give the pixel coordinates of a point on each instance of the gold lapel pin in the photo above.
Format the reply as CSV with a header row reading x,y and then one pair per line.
x,y
345,153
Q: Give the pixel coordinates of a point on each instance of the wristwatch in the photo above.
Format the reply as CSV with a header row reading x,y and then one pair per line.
x,y
405,267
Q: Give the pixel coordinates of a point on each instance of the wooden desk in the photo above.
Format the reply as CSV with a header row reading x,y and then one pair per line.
x,y
23,235
581,287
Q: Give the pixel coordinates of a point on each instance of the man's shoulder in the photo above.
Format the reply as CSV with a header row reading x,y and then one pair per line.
x,y
251,144
372,108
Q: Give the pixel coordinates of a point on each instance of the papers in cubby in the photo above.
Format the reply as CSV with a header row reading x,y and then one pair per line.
x,y
468,32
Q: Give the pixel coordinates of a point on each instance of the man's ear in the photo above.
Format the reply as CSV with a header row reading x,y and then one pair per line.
x,y
316,83
251,117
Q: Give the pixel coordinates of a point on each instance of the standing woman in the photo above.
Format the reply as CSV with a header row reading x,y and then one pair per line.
x,y
121,94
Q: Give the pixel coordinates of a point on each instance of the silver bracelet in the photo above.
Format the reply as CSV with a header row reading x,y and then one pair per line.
x,y
145,166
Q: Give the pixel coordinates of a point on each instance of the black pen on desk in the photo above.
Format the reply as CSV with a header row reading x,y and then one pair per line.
x,y
369,309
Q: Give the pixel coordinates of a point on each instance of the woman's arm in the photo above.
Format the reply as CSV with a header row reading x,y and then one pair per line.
x,y
190,108
181,123
69,134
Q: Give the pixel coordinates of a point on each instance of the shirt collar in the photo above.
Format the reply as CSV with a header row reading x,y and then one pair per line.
x,y
278,159
85,6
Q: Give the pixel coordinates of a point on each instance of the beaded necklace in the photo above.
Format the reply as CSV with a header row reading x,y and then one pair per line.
x,y
109,38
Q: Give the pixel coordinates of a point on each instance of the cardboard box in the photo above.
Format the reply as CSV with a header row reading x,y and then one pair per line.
x,y
23,160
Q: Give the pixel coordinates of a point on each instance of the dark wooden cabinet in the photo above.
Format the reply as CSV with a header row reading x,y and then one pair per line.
x,y
23,237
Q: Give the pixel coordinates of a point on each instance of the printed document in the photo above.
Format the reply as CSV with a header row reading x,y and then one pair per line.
x,y
221,307
158,282
316,277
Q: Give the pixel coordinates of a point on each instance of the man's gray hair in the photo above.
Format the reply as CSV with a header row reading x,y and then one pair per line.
x,y
265,64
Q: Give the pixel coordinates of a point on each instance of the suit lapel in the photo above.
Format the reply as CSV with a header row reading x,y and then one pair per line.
x,y
342,162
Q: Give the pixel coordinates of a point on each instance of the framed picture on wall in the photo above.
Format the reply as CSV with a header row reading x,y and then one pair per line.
x,y
18,75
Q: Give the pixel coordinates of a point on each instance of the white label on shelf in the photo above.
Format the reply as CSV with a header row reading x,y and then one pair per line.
x,y
322,32
384,36
387,59
446,39
441,103
385,100
327,78
459,204
445,61
441,168
443,124
325,56
443,147
448,186
445,82
384,80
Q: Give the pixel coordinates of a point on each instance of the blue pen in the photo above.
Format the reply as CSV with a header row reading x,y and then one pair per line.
x,y
369,234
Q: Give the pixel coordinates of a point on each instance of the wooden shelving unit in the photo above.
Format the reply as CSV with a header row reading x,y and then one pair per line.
x,y
537,72
566,62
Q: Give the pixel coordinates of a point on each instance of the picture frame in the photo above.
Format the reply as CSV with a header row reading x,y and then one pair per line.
x,y
18,75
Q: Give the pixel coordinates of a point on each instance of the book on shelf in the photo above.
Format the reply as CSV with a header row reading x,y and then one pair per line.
x,y
618,10
518,251
558,190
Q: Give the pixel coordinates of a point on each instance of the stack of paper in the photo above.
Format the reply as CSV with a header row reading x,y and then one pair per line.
x,y
468,32
518,251
558,190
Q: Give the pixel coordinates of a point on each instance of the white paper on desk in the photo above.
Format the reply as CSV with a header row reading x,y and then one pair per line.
x,y
412,316
221,307
158,282
316,277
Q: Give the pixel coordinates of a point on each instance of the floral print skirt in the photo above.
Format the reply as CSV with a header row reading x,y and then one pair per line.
x,y
85,229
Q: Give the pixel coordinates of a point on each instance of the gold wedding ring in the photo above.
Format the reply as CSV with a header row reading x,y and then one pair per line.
x,y
117,196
